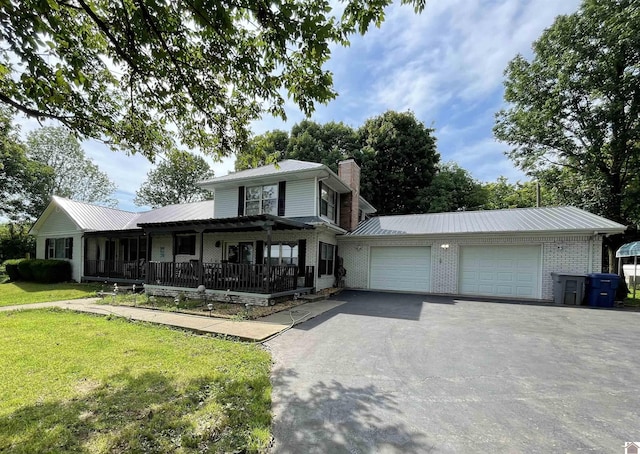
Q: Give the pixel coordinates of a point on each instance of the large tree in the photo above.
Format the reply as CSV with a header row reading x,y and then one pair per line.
x,y
174,180
327,143
263,149
126,71
398,157
502,194
24,183
452,188
75,176
573,114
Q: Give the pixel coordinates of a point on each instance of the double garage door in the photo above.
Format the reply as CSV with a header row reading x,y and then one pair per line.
x,y
507,271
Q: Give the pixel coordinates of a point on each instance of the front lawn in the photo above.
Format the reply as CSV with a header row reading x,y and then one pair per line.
x,y
32,292
80,383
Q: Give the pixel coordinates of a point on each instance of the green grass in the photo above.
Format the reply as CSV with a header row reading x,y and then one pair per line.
x,y
32,292
630,301
80,383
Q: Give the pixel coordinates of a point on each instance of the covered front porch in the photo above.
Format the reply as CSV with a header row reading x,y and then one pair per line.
x,y
234,259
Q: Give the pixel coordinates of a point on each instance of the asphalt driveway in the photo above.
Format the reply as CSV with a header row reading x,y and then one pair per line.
x,y
420,374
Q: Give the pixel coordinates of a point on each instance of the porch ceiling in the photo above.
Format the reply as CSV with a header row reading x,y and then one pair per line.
x,y
237,224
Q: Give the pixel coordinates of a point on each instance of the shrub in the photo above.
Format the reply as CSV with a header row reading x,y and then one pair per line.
x,y
11,268
50,271
24,268
38,270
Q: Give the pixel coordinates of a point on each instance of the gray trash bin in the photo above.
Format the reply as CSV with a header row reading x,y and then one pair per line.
x,y
569,288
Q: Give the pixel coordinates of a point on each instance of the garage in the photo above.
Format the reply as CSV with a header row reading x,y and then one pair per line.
x,y
400,268
505,271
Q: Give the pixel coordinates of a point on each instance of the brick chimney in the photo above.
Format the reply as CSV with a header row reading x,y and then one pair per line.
x,y
349,172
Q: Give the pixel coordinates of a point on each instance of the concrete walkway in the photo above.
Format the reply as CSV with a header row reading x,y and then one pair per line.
x,y
254,330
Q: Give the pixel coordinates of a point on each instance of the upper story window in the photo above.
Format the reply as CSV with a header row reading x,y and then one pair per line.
x,y
261,200
328,202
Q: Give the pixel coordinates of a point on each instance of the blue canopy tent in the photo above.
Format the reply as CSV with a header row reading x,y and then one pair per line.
x,y
630,250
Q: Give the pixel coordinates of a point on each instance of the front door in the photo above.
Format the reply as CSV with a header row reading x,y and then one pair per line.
x,y
240,252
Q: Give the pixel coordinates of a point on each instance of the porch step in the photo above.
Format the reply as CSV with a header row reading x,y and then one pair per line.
x,y
310,297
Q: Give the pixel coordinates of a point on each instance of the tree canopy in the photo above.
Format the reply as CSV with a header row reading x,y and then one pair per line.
x,y
24,183
74,175
452,188
573,114
174,181
137,73
398,157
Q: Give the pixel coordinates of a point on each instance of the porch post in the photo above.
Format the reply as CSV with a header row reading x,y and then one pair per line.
x,y
147,264
110,251
201,267
635,274
137,267
268,227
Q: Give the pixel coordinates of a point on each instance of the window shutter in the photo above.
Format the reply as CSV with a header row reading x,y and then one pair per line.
x,y
70,249
302,257
334,260
320,262
282,189
241,201
46,248
259,252
319,198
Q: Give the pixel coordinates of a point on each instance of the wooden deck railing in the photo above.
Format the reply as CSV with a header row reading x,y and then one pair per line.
x,y
133,270
237,277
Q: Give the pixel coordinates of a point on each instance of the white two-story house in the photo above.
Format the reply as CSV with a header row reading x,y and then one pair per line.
x,y
283,229
269,232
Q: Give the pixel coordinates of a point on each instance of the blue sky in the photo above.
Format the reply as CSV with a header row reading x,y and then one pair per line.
x,y
446,65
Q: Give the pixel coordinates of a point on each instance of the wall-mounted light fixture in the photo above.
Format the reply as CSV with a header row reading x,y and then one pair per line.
x,y
445,246
218,243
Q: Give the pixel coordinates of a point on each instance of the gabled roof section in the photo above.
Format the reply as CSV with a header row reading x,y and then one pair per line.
x,y
87,216
283,167
194,211
95,218
519,220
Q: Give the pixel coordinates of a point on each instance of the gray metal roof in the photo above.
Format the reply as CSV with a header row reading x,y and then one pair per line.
x,y
97,218
288,165
94,217
194,211
548,219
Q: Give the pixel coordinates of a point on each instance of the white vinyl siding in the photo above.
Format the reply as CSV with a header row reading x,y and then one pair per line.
x,y
400,268
226,203
56,223
503,271
300,198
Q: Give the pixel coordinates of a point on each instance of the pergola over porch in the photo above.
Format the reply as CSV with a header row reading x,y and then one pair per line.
x,y
256,278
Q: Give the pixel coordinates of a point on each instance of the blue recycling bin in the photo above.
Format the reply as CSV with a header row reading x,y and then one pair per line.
x,y
601,289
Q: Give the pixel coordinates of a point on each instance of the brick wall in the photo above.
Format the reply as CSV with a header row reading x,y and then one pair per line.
x,y
571,254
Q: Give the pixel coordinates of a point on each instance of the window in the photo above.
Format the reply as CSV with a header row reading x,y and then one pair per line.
x,y
327,252
59,248
240,252
186,245
328,202
261,200
130,250
282,254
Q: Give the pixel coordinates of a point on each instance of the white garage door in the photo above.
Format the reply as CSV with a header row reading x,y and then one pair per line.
x,y
500,271
401,268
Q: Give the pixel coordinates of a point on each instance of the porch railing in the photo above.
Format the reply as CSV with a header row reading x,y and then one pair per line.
x,y
134,269
238,277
